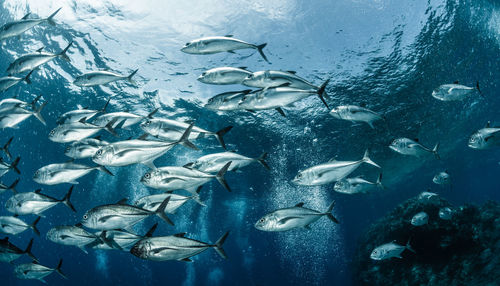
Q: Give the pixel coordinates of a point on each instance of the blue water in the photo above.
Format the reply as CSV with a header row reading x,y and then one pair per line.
x,y
386,54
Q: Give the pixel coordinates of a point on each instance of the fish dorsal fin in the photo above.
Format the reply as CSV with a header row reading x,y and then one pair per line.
x,y
129,138
299,205
181,234
26,16
83,120
455,82
243,68
70,160
292,72
169,192
79,224
416,139
98,137
143,136
362,104
85,108
35,262
488,124
6,238
122,201
39,50
188,165
38,191
334,159
229,36
16,215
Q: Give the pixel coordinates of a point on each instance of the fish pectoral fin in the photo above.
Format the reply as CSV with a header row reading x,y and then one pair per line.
x,y
105,218
149,164
63,237
186,260
487,138
168,180
182,234
285,220
158,250
308,227
82,248
299,205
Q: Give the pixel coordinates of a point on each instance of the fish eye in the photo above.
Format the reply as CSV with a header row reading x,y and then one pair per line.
x,y
147,122
147,175
99,152
187,44
85,217
204,74
52,132
261,220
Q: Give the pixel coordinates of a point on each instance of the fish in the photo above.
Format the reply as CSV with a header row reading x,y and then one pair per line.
x,y
291,218
76,131
173,178
60,173
29,62
224,75
12,187
120,239
16,28
485,138
120,215
14,225
410,147
79,114
454,91
213,45
128,119
9,252
330,172
10,103
278,97
427,195
152,202
171,130
390,250
37,271
11,117
135,151
85,148
420,219
445,213
36,203
6,167
227,101
272,78
356,185
175,247
7,82
101,78
356,114
73,235
212,163
442,178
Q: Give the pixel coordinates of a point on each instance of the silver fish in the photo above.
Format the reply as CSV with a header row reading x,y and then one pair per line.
x,y
9,252
442,178
16,28
85,148
30,62
420,219
171,130
36,271
36,203
5,167
410,147
12,187
72,235
455,91
291,218
182,178
427,195
212,163
79,114
485,138
213,45
224,75
7,82
152,202
330,172
10,103
445,213
60,173
128,119
76,131
121,215
102,77
174,247
227,101
390,250
120,239
14,225
356,185
270,78
356,114
11,117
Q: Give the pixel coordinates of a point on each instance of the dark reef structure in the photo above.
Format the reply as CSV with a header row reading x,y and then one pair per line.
x,y
462,251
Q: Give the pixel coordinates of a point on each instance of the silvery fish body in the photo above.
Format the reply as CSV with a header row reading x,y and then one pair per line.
x,y
329,172
125,119
124,239
5,167
356,114
227,101
7,82
485,138
171,130
445,213
35,203
274,97
355,185
389,250
10,103
224,75
173,178
9,252
427,195
100,78
16,28
63,173
442,178
452,92
410,147
30,62
11,117
212,163
85,148
291,218
420,219
213,45
13,225
71,235
77,115
152,202
271,78
73,131
36,271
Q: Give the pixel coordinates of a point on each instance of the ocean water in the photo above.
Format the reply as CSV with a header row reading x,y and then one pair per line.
x,y
388,55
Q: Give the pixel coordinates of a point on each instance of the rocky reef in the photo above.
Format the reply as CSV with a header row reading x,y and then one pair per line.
x,y
464,250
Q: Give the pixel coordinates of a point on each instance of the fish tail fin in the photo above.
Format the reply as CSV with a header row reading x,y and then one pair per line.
x,y
129,77
28,251
109,241
34,101
329,214
66,200
160,211
408,246
152,113
151,230
367,159
33,226
105,170
59,271
12,187
196,197
50,19
261,52
479,90
379,182
435,151
109,127
219,243
322,93
14,165
262,161
5,147
184,141
219,135
27,77
63,54
220,176
103,109
37,113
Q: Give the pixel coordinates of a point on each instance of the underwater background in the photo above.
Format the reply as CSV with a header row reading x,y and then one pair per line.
x,y
388,55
